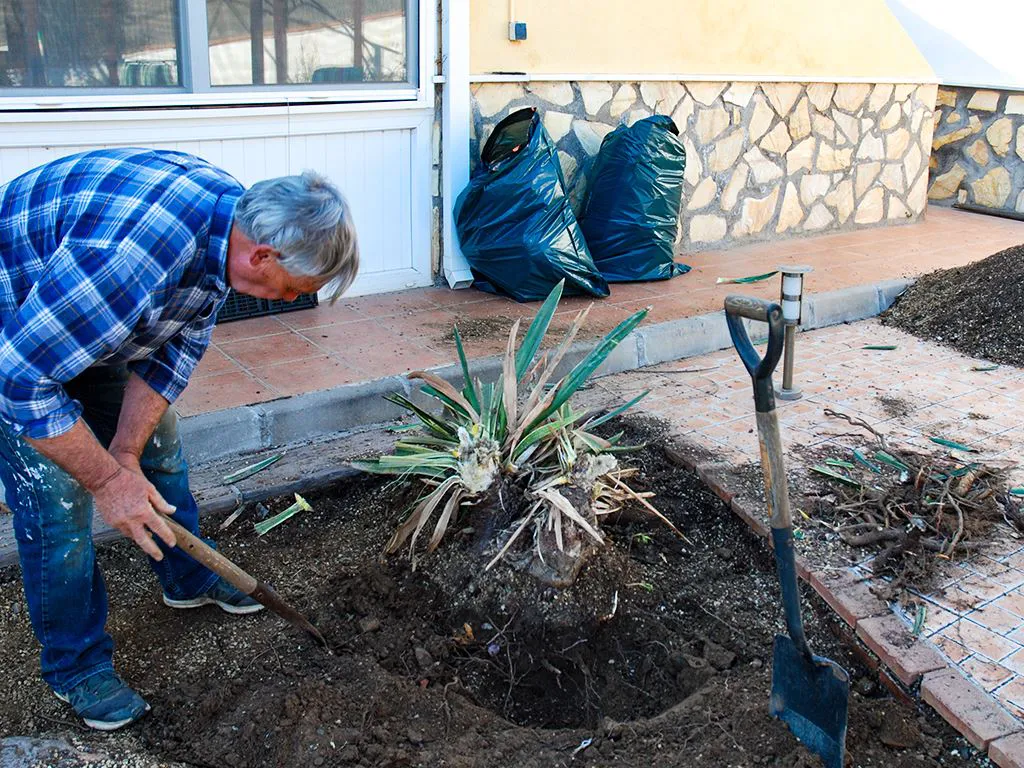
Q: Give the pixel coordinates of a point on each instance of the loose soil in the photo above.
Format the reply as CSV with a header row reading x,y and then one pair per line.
x,y
673,671
976,309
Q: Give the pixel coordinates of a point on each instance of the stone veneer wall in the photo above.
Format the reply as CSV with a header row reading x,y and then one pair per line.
x,y
978,149
763,160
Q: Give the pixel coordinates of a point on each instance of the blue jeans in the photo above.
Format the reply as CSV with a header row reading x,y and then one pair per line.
x,y
64,589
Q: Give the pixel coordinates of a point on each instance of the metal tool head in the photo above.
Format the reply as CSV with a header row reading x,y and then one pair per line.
x,y
811,695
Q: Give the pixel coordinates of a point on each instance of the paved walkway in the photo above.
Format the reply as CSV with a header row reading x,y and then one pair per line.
x,y
366,338
975,616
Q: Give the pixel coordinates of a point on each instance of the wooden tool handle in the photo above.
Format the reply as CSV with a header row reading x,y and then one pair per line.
x,y
203,553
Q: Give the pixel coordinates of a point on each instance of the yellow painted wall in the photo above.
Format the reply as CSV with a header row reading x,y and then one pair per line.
x,y
778,39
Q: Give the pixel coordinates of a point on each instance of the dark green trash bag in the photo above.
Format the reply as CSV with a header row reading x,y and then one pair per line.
x,y
631,210
514,222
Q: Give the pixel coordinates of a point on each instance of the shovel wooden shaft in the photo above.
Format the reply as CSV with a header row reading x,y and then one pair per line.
x,y
206,555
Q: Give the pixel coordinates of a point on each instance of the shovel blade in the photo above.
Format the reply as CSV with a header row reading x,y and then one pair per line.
x,y
812,697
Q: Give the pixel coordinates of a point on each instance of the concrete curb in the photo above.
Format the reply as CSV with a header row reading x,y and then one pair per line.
x,y
904,663
318,414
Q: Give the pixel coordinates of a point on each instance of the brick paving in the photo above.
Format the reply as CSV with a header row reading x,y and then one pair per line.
x,y
252,361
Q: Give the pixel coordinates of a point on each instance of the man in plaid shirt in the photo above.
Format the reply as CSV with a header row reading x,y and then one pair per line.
x,y
113,265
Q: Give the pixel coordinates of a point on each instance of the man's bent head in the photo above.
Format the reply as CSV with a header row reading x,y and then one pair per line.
x,y
300,238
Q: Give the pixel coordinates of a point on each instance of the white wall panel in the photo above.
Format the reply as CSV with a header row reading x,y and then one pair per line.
x,y
380,161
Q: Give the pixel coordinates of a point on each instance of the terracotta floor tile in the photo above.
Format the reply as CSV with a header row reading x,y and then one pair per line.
x,y
956,652
283,348
979,640
1012,602
446,298
402,302
309,375
1012,695
224,390
253,328
427,327
321,315
387,362
352,337
987,674
995,618
214,361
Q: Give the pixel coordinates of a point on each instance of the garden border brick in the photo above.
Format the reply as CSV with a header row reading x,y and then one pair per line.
x,y
1008,751
967,707
906,656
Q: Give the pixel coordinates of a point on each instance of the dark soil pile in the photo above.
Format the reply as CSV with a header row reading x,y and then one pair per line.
x,y
672,670
976,309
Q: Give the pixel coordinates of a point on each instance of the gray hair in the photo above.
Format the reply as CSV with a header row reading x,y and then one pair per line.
x,y
307,220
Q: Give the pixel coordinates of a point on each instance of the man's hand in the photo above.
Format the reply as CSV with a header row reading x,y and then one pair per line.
x,y
129,503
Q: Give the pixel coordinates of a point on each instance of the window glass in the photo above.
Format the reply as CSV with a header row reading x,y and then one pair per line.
x,y
89,43
257,42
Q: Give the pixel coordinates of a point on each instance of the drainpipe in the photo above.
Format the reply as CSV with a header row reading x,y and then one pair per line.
x,y
455,117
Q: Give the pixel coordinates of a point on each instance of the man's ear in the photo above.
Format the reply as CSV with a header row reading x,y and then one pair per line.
x,y
262,255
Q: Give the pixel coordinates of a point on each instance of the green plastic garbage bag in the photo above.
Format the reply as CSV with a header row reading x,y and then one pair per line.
x,y
514,221
630,213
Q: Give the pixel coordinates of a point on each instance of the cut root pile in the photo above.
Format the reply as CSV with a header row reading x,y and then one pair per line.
x,y
916,509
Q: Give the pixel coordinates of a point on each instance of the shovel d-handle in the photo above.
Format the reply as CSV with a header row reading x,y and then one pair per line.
x,y
738,308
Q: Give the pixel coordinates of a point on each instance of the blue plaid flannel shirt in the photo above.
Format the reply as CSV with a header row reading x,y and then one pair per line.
x,y
108,257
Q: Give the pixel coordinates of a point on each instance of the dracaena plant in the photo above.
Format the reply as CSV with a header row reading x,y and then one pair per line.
x,y
520,431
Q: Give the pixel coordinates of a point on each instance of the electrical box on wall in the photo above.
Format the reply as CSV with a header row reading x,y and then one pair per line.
x,y
517,30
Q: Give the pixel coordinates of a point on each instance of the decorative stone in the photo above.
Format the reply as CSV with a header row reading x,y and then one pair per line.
x,y
662,97
916,120
935,119
760,120
904,90
1014,104
557,124
800,121
984,101
871,207
973,126
623,100
912,163
706,93
879,97
841,198
763,169
1020,142
867,124
813,186
896,143
791,213
892,177
493,98
777,141
819,218
945,98
725,151
897,210
740,93
954,117
756,213
850,96
906,108
1020,202
682,114
638,114
820,95
702,195
946,185
823,126
890,118
569,165
694,168
917,198
707,228
978,152
933,162
801,155
591,135
555,93
848,126
736,183
999,135
782,96
832,159
711,122
866,174
595,95
992,189
870,148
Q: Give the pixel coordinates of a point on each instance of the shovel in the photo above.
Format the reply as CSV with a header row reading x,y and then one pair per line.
x,y
203,553
809,693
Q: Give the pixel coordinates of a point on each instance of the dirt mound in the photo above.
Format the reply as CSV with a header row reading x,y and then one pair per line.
x,y
976,309
676,675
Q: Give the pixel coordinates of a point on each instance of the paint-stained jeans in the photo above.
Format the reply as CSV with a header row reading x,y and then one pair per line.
x,y
53,515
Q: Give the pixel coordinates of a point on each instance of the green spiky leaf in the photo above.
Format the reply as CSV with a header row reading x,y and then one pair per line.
x,y
618,411
538,328
953,444
469,390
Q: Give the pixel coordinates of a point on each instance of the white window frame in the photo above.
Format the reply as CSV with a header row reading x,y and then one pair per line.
x,y
196,90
